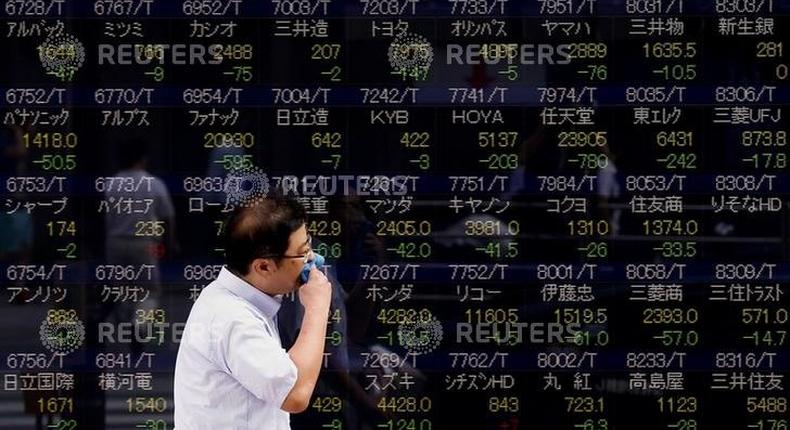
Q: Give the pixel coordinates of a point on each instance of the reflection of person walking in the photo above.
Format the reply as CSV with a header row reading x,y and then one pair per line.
x,y
139,219
16,228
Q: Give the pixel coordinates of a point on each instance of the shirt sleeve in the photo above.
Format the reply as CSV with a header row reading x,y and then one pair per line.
x,y
163,201
257,361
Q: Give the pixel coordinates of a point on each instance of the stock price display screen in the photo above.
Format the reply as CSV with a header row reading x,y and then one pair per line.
x,y
535,214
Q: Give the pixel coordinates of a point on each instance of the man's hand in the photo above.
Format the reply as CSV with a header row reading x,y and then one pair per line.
x,y
316,293
307,353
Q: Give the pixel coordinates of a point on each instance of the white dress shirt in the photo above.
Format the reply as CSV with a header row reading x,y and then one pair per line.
x,y
231,370
135,185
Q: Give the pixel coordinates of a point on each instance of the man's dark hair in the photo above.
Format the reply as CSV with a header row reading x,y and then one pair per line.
x,y
131,151
260,230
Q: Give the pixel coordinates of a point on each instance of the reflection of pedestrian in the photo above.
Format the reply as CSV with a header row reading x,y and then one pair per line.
x,y
12,150
607,187
338,379
16,228
532,156
16,242
137,229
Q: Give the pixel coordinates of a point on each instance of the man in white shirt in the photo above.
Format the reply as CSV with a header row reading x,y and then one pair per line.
x,y
139,218
231,371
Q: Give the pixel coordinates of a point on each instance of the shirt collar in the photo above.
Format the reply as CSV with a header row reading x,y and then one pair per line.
x,y
267,304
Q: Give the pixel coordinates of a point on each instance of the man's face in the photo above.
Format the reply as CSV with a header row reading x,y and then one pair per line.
x,y
285,278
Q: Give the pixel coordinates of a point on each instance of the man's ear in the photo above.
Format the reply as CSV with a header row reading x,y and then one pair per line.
x,y
263,266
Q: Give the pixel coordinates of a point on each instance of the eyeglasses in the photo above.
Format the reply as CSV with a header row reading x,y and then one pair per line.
x,y
305,258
